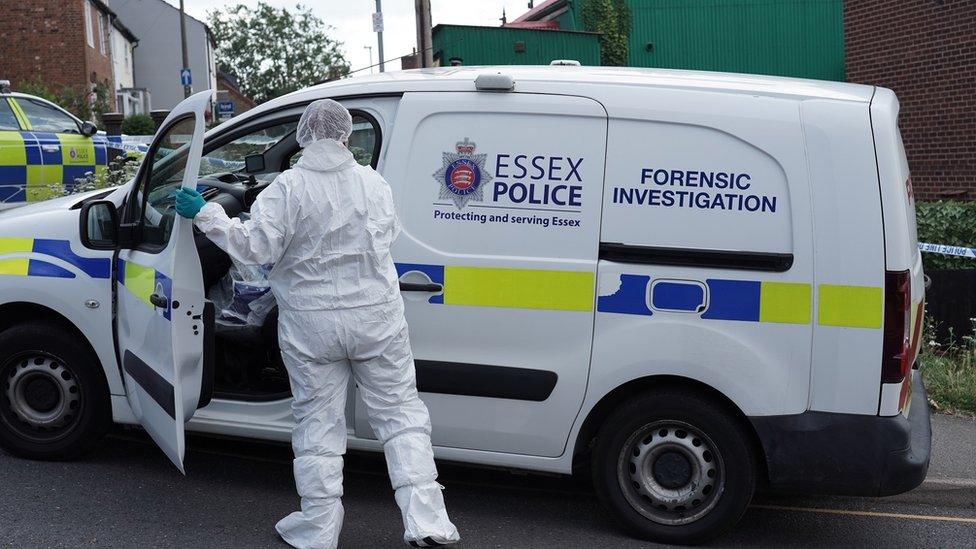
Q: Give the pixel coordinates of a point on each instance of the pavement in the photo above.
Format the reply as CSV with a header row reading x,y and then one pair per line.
x,y
126,494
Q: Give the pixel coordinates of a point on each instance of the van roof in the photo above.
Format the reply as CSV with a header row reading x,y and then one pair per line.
x,y
571,80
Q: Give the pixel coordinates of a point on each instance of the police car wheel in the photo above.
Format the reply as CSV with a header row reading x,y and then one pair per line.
x,y
674,467
54,400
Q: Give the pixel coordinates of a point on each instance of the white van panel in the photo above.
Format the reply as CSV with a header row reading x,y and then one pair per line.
x,y
850,261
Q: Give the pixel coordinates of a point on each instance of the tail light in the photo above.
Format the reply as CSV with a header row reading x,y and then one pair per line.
x,y
897,358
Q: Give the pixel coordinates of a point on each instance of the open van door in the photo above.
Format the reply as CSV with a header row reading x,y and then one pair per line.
x,y
161,312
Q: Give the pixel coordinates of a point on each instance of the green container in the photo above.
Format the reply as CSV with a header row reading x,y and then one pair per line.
x,y
801,38
508,46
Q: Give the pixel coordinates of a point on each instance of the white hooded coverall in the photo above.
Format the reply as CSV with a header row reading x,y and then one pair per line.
x,y
327,225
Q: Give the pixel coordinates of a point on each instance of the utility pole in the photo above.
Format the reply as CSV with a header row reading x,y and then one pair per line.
x,y
379,34
425,46
370,48
187,90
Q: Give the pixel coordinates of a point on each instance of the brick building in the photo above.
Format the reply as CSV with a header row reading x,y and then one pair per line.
x,y
925,50
60,43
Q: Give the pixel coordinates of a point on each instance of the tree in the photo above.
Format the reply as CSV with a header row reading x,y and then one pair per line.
x,y
611,18
273,51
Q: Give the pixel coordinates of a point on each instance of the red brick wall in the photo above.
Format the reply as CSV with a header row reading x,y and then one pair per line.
x,y
924,50
45,39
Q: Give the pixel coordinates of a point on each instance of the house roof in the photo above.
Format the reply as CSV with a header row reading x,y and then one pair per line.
x,y
114,17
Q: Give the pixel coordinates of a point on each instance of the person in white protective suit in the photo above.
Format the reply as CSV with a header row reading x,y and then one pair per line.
x,y
327,226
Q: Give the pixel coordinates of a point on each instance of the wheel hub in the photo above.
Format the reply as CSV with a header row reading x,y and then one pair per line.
x,y
671,472
41,392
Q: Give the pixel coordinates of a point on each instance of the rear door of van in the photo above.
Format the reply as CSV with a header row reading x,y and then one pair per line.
x,y
903,261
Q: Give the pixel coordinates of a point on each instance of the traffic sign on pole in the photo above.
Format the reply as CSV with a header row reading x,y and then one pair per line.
x,y
186,78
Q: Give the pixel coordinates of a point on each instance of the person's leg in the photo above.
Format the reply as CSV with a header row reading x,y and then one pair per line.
x,y
384,369
319,381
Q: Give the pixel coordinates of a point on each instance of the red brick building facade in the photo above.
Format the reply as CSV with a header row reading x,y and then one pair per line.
x,y
924,50
49,41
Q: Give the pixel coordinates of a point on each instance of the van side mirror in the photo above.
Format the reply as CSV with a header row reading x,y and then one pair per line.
x,y
254,163
99,225
88,129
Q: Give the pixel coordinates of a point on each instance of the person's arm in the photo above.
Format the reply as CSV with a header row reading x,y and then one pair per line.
x,y
258,241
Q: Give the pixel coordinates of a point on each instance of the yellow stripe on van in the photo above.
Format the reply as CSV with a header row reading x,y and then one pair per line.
x,y
14,245
519,288
784,302
141,281
16,266
43,182
850,306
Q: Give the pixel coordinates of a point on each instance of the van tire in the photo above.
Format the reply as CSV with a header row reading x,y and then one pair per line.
x,y
61,406
670,441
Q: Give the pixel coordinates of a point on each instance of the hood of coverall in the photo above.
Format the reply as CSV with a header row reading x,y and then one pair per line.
x,y
325,155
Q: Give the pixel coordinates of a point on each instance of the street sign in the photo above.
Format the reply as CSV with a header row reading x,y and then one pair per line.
x,y
185,78
378,22
225,110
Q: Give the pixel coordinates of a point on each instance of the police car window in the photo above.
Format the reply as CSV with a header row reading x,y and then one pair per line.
x,y
7,119
44,118
165,175
362,142
230,156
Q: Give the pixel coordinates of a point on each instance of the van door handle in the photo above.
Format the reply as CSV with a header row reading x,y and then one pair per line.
x,y
159,301
432,287
50,148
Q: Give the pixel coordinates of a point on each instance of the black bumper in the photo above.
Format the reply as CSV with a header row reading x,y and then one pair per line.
x,y
847,454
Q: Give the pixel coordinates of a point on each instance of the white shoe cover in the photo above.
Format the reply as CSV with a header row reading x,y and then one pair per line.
x,y
316,526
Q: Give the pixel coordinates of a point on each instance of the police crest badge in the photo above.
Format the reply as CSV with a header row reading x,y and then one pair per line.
x,y
463,175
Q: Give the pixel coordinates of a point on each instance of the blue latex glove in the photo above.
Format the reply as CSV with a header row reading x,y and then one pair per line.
x,y
189,202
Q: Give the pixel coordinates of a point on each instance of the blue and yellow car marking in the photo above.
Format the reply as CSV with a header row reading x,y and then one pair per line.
x,y
508,288
751,301
36,266
142,282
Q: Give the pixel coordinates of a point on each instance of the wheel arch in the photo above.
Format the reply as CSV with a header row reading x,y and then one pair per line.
x,y
597,415
21,312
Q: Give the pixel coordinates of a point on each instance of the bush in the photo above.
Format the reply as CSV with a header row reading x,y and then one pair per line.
x,y
138,124
79,101
949,371
947,222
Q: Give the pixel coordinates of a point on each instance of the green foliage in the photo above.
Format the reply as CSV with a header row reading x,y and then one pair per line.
x,y
949,371
273,51
611,18
947,222
71,98
138,124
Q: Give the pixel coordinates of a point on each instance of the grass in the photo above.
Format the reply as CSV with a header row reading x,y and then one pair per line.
x,y
949,372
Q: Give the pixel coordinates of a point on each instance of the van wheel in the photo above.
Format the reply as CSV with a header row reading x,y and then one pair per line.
x,y
674,467
54,400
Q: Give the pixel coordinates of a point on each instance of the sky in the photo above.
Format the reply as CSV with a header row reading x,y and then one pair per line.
x,y
353,23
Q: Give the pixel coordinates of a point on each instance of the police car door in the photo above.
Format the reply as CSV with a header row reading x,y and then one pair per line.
x,y
159,286
499,197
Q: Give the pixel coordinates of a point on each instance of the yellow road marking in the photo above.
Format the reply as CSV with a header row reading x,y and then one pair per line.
x,y
875,514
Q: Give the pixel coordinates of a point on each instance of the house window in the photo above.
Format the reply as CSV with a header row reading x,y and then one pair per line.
x,y
88,25
106,32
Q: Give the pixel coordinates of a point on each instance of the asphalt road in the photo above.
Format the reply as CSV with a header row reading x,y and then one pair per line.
x,y
127,495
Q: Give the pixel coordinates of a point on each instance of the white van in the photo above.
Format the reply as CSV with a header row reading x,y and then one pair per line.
x,y
689,285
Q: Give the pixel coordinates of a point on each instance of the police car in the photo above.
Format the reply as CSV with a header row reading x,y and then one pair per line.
x,y
44,149
688,285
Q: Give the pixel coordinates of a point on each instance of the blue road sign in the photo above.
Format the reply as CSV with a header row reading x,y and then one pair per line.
x,y
225,110
185,78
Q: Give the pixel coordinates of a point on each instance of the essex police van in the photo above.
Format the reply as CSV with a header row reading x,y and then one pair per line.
x,y
689,285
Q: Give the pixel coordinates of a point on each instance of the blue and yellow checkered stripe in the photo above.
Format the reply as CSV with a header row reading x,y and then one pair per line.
x,y
36,166
142,282
760,301
508,288
26,257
